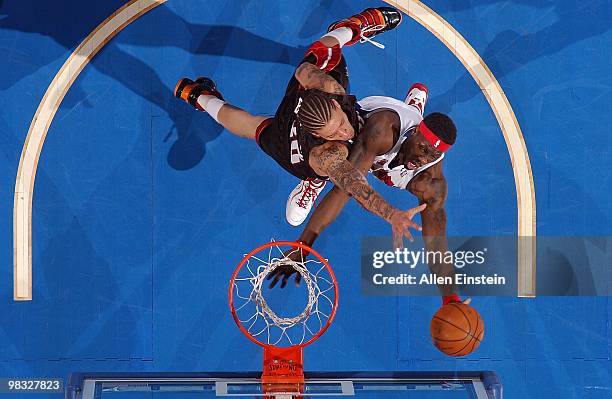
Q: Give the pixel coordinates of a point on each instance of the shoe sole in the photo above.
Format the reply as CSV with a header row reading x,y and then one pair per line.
x,y
180,86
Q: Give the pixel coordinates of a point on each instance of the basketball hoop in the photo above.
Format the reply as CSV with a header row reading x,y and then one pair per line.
x,y
283,338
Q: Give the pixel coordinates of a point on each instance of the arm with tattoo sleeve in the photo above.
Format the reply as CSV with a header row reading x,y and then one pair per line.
x,y
376,137
323,159
330,159
326,212
311,77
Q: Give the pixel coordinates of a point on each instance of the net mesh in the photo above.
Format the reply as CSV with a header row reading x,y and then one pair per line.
x,y
256,315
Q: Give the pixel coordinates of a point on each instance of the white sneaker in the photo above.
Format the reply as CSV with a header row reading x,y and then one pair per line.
x,y
417,96
301,199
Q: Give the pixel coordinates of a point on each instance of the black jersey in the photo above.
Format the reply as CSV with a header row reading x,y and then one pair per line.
x,y
284,140
289,145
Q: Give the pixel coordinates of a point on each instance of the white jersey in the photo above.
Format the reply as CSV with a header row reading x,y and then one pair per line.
x,y
410,117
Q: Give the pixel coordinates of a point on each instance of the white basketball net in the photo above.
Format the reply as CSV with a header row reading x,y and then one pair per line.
x,y
261,320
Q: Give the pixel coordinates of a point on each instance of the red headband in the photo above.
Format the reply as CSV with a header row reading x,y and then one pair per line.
x,y
434,140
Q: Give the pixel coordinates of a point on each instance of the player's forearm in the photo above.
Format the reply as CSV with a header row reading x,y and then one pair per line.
x,y
352,181
334,201
312,77
434,235
326,212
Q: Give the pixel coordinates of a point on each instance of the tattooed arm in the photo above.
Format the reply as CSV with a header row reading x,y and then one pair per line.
x,y
311,77
377,137
379,133
329,159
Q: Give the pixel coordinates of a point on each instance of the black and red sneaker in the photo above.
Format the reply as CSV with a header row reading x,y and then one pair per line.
x,y
189,91
369,23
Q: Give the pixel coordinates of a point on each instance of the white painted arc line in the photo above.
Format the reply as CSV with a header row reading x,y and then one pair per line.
x,y
28,163
521,166
79,59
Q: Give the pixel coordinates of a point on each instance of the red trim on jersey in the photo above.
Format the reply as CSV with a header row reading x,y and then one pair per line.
x,y
431,137
264,124
327,57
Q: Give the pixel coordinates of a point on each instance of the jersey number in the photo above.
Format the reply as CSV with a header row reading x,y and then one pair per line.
x,y
296,155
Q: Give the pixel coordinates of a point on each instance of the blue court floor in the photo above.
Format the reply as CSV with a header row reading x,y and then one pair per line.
x,y
142,207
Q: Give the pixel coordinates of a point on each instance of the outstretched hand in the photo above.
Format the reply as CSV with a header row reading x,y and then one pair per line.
x,y
401,223
286,270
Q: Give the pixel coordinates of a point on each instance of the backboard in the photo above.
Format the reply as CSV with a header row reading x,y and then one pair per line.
x,y
357,385
283,374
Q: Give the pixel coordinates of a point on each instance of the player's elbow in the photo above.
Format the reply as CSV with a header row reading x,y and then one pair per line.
x,y
435,195
327,158
301,73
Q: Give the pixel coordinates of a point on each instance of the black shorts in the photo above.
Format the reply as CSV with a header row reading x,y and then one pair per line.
x,y
272,133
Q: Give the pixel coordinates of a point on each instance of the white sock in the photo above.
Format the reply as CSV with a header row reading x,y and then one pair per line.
x,y
210,104
342,35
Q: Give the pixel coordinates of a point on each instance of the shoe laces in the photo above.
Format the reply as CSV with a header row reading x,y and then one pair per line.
x,y
369,29
309,194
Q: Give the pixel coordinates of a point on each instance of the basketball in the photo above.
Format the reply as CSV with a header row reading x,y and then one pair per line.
x,y
456,329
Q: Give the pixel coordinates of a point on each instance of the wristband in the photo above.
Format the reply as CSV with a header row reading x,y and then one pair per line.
x,y
450,299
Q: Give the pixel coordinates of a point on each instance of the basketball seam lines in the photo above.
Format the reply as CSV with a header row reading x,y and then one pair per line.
x,y
464,315
457,327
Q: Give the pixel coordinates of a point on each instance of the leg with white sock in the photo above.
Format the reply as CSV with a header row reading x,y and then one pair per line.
x,y
203,95
337,37
233,119
238,121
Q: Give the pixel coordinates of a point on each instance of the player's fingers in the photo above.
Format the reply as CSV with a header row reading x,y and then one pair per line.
x,y
415,226
298,278
415,210
284,282
467,301
408,235
420,208
408,224
273,283
398,242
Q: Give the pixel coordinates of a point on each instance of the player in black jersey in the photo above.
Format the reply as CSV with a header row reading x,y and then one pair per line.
x,y
310,132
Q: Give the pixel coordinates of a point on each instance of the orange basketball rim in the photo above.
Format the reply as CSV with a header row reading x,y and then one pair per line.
x,y
283,338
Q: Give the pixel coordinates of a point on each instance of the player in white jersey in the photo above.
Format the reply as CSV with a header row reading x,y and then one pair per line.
x,y
384,166
405,150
